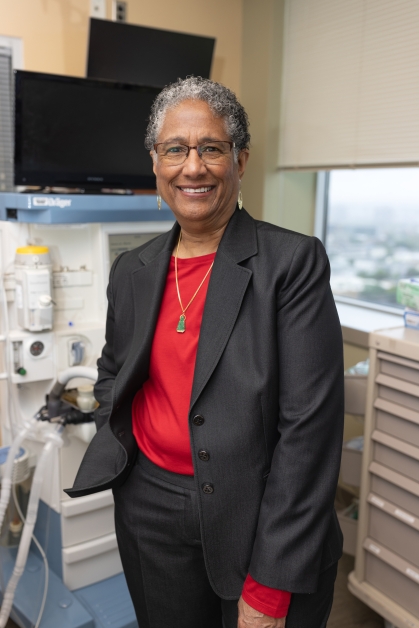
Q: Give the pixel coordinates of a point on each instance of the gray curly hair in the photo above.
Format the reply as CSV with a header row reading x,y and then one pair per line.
x,y
221,100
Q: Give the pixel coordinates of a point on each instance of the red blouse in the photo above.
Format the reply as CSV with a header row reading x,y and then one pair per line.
x,y
160,408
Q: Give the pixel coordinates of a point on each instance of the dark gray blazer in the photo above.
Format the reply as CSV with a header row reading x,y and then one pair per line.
x,y
267,401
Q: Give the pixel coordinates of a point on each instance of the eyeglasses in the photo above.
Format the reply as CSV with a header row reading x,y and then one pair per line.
x,y
174,154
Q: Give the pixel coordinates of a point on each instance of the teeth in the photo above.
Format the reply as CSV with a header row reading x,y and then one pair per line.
x,y
196,190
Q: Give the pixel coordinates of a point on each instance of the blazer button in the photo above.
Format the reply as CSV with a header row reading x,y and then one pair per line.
x,y
203,455
198,420
121,434
208,488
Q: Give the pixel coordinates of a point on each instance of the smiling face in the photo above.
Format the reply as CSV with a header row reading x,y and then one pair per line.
x,y
199,194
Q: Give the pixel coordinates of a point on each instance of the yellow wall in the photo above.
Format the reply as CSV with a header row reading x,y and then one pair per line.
x,y
261,82
217,18
283,198
55,32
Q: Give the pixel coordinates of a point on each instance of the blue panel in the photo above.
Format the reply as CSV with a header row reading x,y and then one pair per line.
x,y
62,608
48,532
109,602
80,208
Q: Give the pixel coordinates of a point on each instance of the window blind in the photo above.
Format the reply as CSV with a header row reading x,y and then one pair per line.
x,y
6,120
350,84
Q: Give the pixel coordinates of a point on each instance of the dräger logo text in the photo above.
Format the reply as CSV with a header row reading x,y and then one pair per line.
x,y
41,201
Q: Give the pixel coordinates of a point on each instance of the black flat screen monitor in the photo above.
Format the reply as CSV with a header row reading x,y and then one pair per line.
x,y
145,56
76,132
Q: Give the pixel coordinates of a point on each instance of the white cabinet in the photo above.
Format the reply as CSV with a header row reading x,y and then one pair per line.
x,y
90,551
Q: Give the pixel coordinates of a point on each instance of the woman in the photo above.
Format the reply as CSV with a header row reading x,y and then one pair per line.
x,y
221,394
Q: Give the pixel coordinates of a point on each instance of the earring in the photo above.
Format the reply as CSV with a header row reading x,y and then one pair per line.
x,y
240,199
159,201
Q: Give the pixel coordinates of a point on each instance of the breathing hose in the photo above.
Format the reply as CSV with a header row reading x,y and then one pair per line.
x,y
54,441
63,378
6,482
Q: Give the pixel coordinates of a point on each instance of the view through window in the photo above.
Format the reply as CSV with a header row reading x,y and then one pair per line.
x,y
372,235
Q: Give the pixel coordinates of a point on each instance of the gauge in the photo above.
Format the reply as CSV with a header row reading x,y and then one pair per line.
x,y
36,348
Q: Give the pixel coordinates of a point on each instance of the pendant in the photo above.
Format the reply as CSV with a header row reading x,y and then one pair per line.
x,y
181,326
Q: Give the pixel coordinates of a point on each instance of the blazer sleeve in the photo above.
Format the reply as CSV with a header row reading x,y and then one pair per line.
x,y
297,509
107,369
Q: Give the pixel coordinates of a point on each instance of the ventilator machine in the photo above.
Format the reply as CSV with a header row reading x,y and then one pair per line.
x,y
59,562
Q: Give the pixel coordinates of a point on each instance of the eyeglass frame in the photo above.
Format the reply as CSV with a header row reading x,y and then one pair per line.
x,y
231,144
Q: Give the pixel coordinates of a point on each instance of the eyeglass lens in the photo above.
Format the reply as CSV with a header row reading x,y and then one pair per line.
x,y
210,152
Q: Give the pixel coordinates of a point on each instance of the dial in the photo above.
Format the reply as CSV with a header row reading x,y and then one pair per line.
x,y
36,348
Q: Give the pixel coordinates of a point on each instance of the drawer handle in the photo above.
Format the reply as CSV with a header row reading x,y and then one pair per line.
x,y
374,548
412,574
377,502
404,516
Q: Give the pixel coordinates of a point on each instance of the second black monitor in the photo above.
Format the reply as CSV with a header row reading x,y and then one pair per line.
x,y
145,56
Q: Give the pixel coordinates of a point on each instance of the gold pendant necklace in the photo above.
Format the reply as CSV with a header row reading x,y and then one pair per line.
x,y
181,326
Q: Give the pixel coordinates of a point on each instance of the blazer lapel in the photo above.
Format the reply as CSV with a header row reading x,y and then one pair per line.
x,y
148,283
226,290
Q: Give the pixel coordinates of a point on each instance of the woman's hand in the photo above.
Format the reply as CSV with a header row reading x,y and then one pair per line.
x,y
251,618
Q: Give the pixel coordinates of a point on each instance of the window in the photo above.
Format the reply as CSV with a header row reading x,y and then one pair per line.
x,y
372,232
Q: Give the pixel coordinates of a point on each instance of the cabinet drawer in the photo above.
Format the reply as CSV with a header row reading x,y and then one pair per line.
x,y
398,427
392,583
396,454
399,537
87,518
399,397
89,562
408,370
395,494
396,460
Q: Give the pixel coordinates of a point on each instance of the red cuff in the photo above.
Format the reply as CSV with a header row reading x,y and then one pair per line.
x,y
271,602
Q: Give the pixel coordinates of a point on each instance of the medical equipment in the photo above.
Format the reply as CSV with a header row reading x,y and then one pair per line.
x,y
53,440
85,399
21,481
7,472
58,411
33,290
74,579
81,208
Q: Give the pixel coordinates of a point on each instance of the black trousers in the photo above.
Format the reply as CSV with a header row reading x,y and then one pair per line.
x,y
158,532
